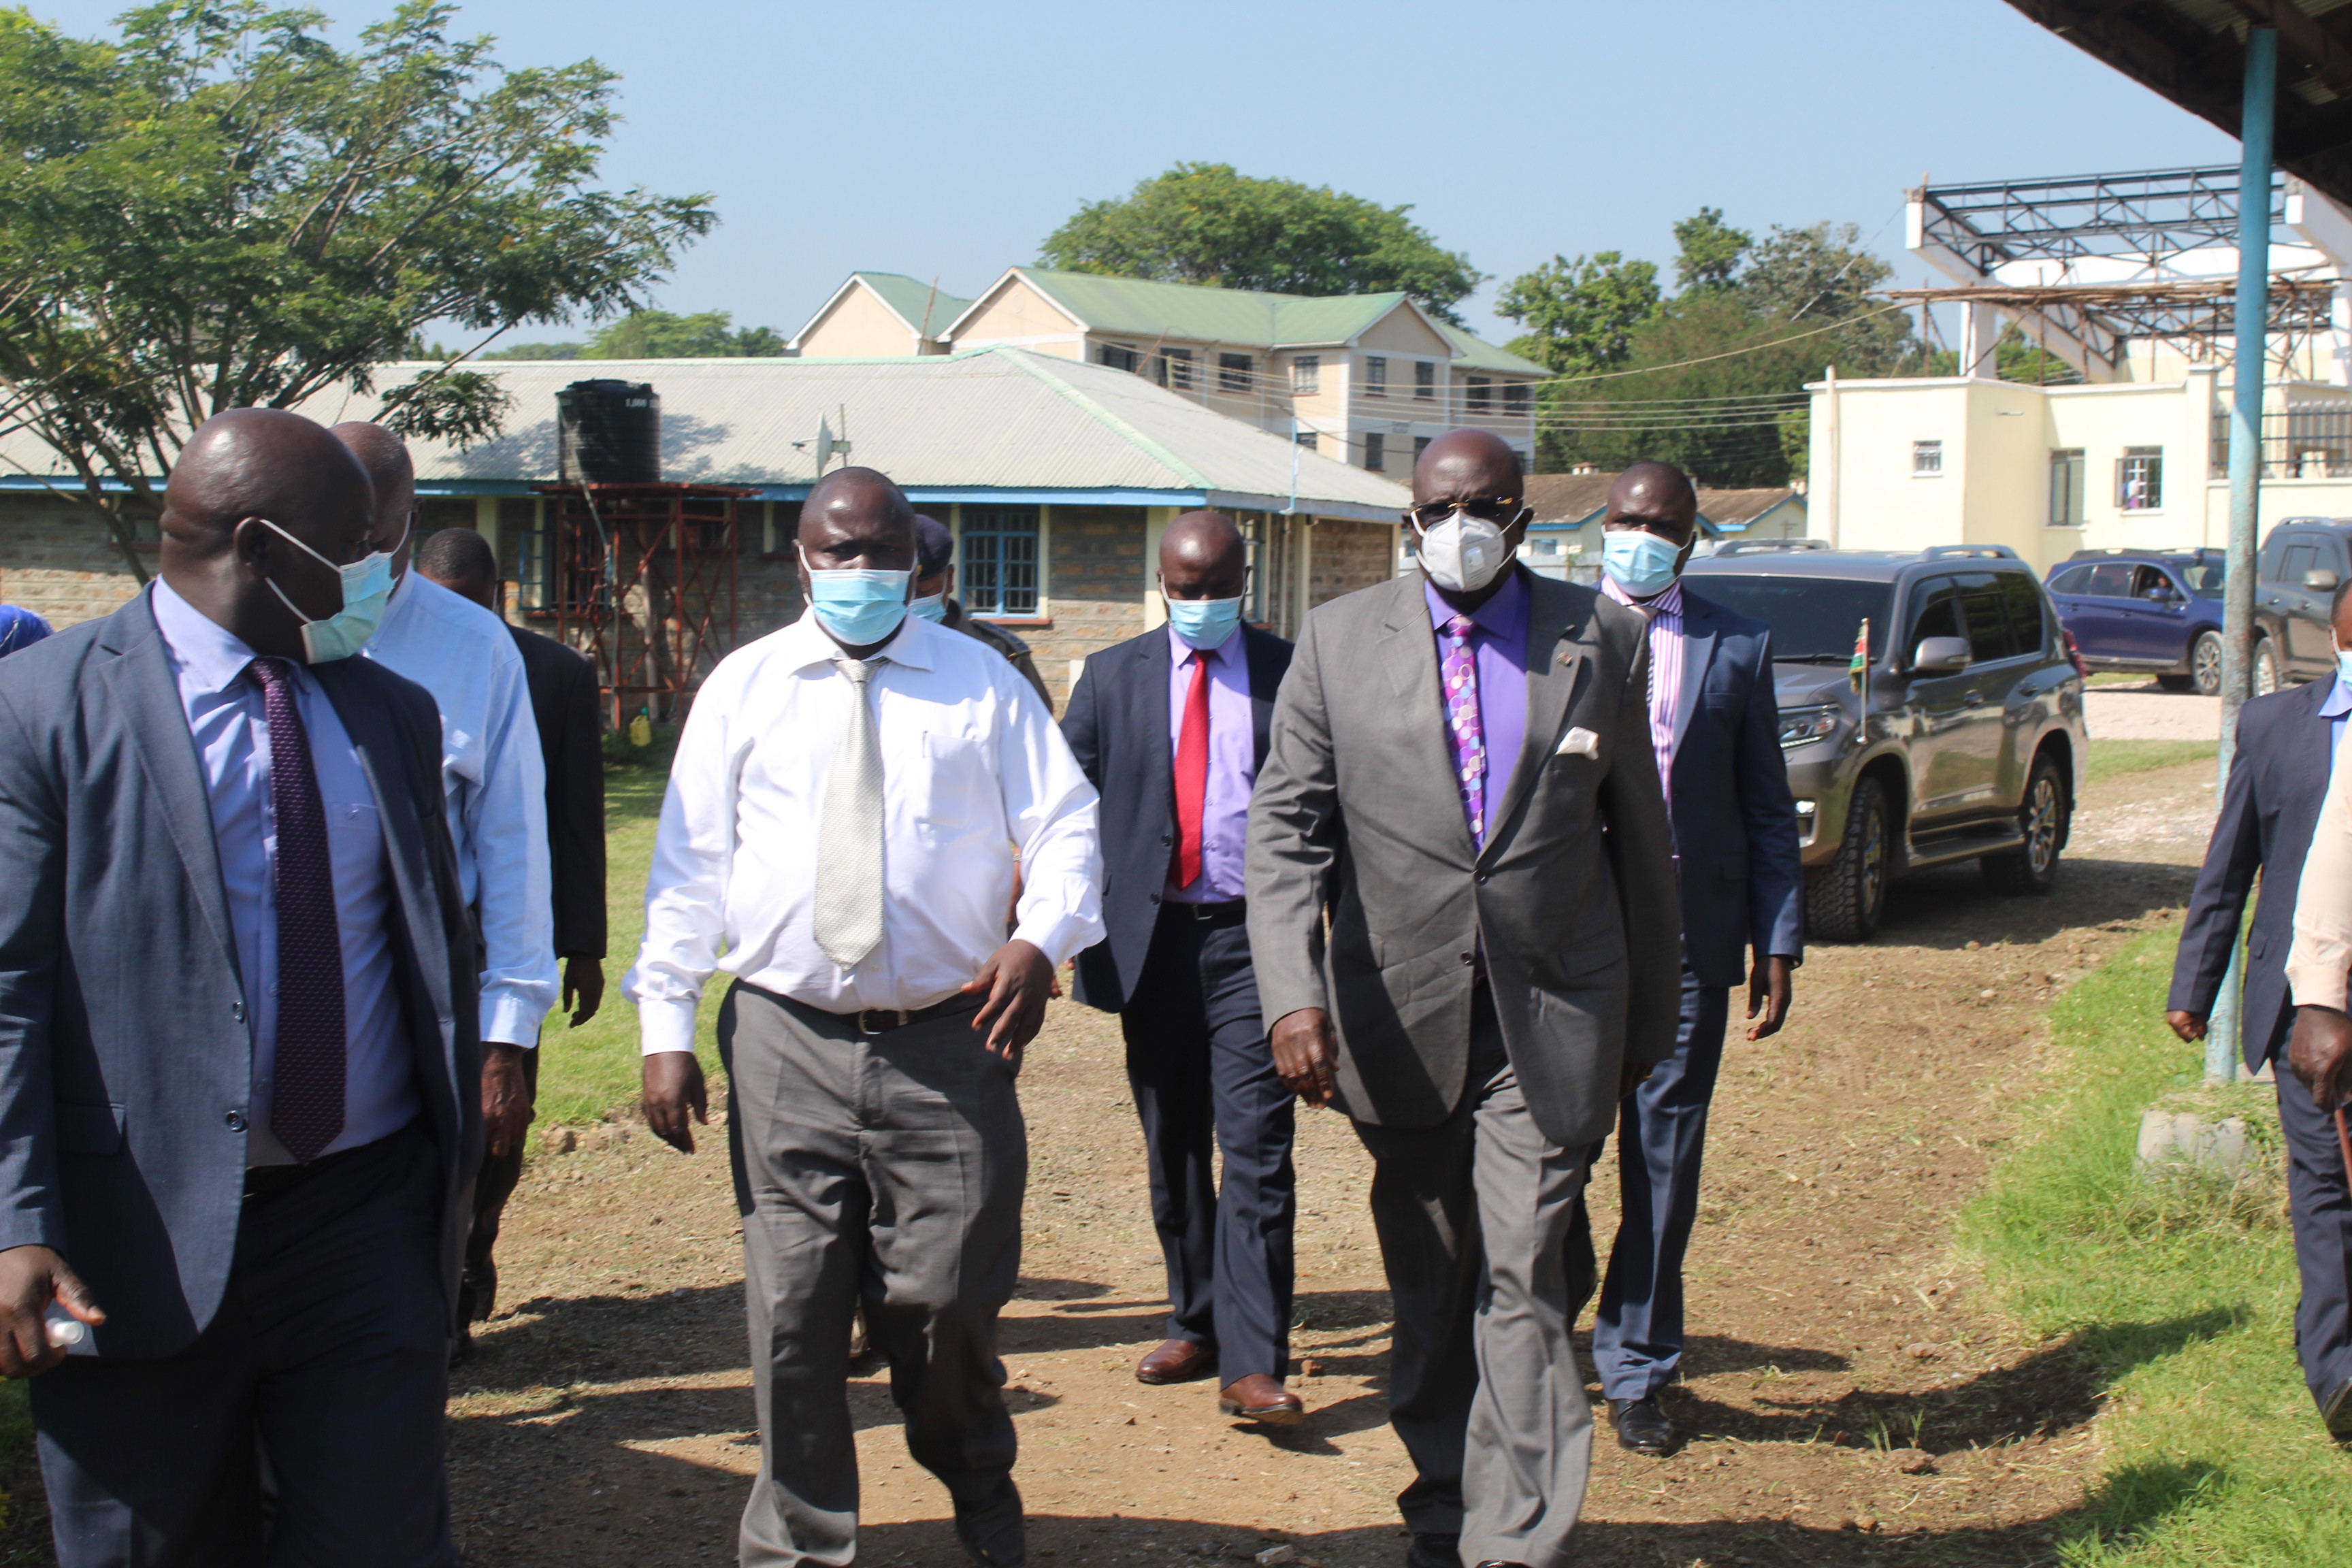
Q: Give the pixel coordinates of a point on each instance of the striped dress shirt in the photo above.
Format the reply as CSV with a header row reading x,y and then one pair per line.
x,y
1664,613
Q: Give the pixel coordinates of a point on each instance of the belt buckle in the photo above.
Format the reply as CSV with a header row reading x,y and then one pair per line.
x,y
896,1016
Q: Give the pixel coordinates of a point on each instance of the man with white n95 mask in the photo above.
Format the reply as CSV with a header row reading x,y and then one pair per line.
x,y
841,834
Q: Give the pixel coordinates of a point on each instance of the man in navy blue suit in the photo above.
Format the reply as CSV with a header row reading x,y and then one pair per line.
x,y
1715,727
2278,783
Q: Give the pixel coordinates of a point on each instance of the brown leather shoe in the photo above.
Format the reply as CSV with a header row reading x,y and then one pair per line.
x,y
1258,1397
1176,1361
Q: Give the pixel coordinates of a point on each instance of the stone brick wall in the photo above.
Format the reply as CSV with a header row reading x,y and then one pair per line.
x,y
1346,556
1094,585
60,561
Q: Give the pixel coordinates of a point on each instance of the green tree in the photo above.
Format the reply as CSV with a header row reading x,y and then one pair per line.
x,y
659,335
1710,251
1207,223
224,210
1581,314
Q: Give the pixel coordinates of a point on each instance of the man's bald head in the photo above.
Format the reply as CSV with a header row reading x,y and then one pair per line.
x,y
261,462
461,560
1465,464
865,503
385,458
1203,556
1656,498
240,468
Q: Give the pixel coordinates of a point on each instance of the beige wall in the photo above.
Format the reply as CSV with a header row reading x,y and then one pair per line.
x,y
858,326
1018,313
60,561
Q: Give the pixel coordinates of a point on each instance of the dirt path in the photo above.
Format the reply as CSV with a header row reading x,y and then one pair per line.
x,y
1854,1399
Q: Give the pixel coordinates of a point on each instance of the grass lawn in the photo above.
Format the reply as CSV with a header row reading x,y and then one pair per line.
x,y
583,1073
2182,1300
2113,759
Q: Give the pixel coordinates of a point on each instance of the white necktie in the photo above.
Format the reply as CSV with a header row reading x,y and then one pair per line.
x,y
849,834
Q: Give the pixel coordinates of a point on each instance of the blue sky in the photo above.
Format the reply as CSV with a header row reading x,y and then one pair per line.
x,y
949,139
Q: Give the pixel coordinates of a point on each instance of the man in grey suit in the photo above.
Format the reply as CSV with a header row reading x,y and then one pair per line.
x,y
1461,780
239,1109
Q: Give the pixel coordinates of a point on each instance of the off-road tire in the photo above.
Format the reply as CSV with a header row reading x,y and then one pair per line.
x,y
2042,815
2266,669
1844,899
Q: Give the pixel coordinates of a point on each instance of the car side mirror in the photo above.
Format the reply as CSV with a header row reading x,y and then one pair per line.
x,y
1940,655
2320,580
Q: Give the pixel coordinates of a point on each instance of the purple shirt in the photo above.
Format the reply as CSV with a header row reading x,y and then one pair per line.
x,y
1233,764
1499,637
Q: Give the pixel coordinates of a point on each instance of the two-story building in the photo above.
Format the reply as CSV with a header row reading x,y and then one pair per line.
x,y
1365,378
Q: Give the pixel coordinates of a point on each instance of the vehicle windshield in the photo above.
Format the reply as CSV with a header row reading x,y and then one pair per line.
x,y
1813,619
2204,575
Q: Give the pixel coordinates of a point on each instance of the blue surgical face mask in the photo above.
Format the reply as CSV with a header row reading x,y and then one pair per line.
x,y
860,607
932,607
1203,624
1641,563
2343,666
367,589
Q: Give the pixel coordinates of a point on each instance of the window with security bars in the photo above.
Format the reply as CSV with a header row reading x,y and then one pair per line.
x,y
1515,397
996,561
1233,373
1172,368
1482,395
1376,376
2139,479
1306,375
1376,452
1424,379
1119,356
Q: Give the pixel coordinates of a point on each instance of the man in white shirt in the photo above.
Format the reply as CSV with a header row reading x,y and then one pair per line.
x,y
496,788
851,800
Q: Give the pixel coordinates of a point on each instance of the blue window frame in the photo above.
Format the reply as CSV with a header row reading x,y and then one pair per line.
x,y
996,561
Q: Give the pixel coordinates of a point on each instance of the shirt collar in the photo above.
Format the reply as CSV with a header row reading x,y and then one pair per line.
x,y
805,643
209,655
2339,702
1504,616
1224,653
1669,603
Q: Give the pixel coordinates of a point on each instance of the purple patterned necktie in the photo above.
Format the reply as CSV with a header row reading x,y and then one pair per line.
x,y
1460,672
307,1110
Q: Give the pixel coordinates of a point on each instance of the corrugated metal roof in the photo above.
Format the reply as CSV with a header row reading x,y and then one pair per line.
x,y
920,305
997,418
1477,353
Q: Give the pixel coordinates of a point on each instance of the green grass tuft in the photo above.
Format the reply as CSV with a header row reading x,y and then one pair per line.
x,y
2180,1297
2113,759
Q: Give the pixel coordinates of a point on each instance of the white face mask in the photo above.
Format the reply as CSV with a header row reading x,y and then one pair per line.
x,y
1464,553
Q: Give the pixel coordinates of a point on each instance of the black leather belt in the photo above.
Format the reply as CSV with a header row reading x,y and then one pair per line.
x,y
1231,910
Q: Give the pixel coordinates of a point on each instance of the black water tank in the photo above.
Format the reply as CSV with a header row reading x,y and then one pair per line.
x,y
611,433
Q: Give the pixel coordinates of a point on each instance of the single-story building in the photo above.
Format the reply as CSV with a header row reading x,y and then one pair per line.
x,y
1558,543
1058,477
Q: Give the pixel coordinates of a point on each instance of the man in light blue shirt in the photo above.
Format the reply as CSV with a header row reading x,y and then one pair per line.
x,y
496,784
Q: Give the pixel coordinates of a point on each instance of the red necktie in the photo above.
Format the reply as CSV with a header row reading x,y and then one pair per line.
x,y
1192,776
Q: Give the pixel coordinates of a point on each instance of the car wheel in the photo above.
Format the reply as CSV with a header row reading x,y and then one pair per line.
x,y
2205,664
1844,899
2266,670
2032,868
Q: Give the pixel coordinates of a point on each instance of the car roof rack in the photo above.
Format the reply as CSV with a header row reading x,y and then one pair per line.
x,y
1969,552
1764,546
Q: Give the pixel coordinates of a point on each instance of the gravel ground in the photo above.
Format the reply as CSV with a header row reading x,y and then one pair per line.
x,y
2148,714
1854,1397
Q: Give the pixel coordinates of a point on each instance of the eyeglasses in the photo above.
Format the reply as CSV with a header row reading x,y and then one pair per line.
x,y
1490,508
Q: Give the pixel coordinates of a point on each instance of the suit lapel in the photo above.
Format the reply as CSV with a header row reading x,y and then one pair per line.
x,y
1408,651
1698,652
147,694
1264,682
1153,716
1555,659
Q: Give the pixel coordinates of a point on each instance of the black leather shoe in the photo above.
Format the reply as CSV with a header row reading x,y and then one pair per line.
x,y
1498,1563
1643,1426
1432,1549
990,1531
2337,1412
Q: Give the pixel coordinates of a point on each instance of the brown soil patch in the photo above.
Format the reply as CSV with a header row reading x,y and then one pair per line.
x,y
1854,1396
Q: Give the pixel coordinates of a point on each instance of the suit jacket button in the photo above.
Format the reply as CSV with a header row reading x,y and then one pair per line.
x,y
1155,898
236,1011
235,1120
1484,875
1166,839
1469,958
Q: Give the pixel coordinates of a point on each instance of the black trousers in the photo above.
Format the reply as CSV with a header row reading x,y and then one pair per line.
x,y
329,1356
1198,1060
478,1288
2319,1207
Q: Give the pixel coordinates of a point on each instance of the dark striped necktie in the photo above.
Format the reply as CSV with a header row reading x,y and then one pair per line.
x,y
306,1109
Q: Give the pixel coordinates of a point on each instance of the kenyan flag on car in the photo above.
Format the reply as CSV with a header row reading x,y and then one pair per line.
x,y
1861,659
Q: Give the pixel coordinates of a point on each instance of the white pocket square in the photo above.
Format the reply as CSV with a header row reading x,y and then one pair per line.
x,y
1579,741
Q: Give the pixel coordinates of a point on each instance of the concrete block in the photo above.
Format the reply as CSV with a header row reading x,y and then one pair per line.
x,y
2170,1137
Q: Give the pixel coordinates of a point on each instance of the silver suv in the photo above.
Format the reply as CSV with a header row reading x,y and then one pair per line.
x,y
1931,711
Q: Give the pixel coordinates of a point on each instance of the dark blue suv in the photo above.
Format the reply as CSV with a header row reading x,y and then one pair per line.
x,y
2153,612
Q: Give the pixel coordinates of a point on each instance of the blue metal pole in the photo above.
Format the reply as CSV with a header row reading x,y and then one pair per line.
x,y
2251,310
